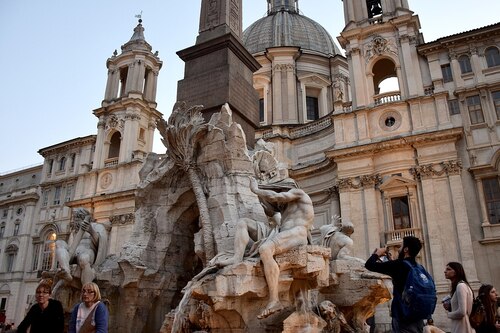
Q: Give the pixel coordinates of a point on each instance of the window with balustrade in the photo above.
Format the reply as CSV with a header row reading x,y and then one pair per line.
x,y
401,213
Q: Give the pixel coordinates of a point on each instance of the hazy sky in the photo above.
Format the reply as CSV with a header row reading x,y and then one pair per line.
x,y
53,57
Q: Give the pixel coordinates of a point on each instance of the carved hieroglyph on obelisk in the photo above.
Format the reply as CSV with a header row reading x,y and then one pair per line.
x,y
219,69
219,17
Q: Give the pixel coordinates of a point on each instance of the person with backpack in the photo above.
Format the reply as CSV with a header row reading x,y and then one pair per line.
x,y
91,315
462,297
408,310
489,297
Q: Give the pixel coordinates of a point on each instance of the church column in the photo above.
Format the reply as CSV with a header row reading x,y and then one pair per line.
x,y
482,201
476,65
461,220
292,113
371,198
277,106
99,144
456,71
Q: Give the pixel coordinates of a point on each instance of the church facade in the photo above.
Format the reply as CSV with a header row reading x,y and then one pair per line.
x,y
417,158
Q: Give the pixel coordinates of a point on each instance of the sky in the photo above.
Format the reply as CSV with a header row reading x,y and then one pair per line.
x,y
53,57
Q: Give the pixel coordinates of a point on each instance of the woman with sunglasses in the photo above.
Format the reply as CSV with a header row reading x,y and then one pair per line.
x,y
91,315
46,315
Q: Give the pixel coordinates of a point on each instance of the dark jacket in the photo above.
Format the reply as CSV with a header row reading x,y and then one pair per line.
x,y
398,271
42,321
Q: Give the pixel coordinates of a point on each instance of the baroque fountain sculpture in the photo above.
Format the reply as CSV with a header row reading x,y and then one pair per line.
x,y
222,242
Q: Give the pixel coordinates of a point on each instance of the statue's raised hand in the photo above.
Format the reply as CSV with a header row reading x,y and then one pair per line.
x,y
253,184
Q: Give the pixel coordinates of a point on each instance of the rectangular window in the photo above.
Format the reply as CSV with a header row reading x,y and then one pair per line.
x,y
36,254
69,193
57,196
312,108
496,102
10,262
453,106
2,230
447,75
5,212
261,110
492,198
16,229
45,199
401,213
475,111
3,303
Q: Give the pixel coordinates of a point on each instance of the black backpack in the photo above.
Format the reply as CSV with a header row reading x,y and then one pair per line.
x,y
418,300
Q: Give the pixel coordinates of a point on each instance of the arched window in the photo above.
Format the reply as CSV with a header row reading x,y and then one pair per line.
x,y
465,65
492,56
385,77
114,145
49,250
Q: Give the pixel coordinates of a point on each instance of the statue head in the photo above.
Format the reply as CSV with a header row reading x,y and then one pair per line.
x,y
80,213
328,310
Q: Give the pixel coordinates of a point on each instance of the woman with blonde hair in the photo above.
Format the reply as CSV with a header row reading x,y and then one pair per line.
x,y
91,315
46,315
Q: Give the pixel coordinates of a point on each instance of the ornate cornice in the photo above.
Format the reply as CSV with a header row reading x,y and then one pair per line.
x,y
122,219
448,168
358,182
404,142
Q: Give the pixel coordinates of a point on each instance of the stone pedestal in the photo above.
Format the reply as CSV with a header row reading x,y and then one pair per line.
x,y
229,300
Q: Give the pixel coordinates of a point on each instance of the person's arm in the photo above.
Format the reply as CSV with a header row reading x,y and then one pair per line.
x,y
461,296
391,267
72,320
101,318
273,196
23,326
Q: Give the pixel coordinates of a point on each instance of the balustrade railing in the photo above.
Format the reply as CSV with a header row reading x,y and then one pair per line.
x,y
396,236
110,162
388,97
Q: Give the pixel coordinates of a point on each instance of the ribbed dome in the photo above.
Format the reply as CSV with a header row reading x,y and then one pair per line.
x,y
288,28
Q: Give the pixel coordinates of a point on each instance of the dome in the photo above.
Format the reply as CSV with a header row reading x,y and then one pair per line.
x,y
286,27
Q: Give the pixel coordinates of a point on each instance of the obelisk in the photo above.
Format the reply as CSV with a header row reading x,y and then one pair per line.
x,y
218,68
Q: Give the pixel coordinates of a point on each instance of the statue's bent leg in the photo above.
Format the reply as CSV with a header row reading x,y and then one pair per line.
x,y
63,259
84,261
272,272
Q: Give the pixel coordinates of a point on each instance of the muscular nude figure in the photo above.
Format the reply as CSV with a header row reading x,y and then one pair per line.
x,y
292,211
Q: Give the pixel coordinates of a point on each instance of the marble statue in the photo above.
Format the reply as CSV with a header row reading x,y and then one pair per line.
x,y
335,320
87,248
337,237
292,211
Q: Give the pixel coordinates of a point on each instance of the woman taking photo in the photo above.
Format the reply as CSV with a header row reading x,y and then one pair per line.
x,y
91,315
488,296
46,315
460,305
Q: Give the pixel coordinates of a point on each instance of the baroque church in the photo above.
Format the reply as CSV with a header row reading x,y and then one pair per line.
x,y
416,157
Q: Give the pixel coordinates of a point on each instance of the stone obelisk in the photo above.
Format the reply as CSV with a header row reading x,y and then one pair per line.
x,y
218,68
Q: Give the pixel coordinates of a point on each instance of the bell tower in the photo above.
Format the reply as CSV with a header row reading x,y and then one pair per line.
x,y
128,114
380,38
